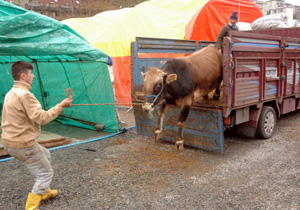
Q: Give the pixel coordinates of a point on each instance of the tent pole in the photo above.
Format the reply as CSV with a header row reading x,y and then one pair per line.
x,y
117,119
40,83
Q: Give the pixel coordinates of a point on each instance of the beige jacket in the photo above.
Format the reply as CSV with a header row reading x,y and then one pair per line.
x,y
22,117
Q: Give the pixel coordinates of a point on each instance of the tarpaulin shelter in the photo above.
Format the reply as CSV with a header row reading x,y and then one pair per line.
x,y
62,59
113,31
209,20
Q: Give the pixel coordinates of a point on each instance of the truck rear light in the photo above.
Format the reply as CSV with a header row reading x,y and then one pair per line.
x,y
226,121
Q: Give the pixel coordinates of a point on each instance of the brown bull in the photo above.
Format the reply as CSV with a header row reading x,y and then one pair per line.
x,y
179,83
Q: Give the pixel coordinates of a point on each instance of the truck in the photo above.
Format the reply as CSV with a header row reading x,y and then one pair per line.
x,y
260,83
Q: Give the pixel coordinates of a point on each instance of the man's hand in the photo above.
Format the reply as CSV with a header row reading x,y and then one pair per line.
x,y
66,102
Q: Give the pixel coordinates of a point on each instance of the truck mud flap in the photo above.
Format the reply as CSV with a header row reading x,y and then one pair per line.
x,y
203,128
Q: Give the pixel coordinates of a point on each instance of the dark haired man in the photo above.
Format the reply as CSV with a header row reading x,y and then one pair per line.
x,y
231,26
22,117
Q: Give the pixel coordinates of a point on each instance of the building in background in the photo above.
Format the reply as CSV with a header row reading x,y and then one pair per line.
x,y
277,6
64,9
60,9
262,5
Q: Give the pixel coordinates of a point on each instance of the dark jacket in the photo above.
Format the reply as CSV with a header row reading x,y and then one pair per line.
x,y
224,32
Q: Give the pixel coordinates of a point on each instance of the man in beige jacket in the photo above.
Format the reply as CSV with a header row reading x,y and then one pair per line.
x,y
22,117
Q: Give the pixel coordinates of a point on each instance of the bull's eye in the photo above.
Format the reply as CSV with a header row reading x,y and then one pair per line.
x,y
157,88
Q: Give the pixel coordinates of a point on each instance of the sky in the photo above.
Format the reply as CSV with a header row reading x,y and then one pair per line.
x,y
294,2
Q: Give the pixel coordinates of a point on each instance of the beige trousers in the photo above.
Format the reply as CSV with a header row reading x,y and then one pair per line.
x,y
37,159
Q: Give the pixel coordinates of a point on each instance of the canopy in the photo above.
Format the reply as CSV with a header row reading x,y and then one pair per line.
x,y
209,20
113,31
62,59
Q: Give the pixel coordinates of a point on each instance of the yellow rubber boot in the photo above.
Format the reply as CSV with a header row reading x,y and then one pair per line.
x,y
49,194
33,201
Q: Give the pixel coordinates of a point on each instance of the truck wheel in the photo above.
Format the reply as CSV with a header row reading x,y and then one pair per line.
x,y
266,123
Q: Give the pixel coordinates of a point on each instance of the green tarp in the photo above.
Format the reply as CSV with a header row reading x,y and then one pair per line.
x,y
61,59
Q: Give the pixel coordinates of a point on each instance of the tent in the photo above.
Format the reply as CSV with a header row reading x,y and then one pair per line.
x,y
209,20
113,31
62,59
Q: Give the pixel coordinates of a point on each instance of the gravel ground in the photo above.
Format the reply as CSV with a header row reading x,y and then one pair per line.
x,y
130,171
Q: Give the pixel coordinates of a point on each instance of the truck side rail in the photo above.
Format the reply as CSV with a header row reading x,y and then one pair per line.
x,y
259,68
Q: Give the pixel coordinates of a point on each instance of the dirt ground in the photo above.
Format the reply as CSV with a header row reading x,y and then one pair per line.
x,y
130,171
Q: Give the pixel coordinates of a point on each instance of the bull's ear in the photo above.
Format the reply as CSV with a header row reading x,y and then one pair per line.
x,y
171,78
143,74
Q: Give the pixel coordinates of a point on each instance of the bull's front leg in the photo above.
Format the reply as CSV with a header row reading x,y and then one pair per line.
x,y
179,144
161,116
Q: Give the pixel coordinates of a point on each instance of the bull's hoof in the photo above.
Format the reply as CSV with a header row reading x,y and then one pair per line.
x,y
179,146
157,135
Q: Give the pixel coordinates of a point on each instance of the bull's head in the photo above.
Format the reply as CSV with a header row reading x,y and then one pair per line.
x,y
154,83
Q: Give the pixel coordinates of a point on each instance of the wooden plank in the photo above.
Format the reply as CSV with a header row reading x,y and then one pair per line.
x,y
48,144
46,139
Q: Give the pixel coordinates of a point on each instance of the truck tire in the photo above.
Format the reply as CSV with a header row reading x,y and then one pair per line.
x,y
266,123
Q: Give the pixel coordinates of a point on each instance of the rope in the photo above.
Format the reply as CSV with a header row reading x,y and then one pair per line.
x,y
105,104
78,143
70,94
240,8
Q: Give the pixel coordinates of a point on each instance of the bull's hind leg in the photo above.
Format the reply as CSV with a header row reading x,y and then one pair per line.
x,y
161,116
217,91
179,144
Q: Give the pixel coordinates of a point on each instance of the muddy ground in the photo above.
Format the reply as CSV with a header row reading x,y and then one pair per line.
x,y
130,171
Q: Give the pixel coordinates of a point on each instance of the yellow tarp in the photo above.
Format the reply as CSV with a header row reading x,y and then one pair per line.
x,y
113,31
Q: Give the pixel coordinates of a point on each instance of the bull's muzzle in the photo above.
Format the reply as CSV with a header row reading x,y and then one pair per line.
x,y
148,107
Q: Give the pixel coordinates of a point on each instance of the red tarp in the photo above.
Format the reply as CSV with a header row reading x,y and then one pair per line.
x,y
209,20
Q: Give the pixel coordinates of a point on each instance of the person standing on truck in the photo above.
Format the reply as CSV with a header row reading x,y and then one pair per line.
x,y
231,26
22,117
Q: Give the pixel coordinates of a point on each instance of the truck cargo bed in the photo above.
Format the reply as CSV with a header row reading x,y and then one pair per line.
x,y
261,71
